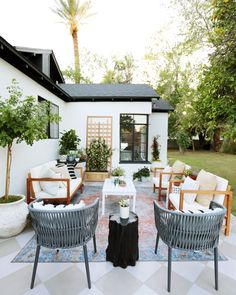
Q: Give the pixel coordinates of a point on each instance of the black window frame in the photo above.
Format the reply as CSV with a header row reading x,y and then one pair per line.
x,y
133,132
48,129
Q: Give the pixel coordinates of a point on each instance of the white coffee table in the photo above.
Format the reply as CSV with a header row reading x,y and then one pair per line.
x,y
109,189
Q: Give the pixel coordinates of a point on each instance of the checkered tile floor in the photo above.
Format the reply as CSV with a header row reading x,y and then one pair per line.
x,y
146,278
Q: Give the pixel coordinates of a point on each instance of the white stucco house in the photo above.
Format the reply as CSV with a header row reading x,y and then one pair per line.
x,y
39,75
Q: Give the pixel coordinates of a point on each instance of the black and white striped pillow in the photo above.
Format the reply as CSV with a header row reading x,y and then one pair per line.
x,y
70,167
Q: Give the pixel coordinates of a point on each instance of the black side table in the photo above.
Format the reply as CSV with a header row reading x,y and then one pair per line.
x,y
122,247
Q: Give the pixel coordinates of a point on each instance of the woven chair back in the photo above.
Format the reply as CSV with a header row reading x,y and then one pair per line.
x,y
188,231
66,228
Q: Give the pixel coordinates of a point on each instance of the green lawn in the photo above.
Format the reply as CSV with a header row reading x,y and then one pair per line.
x,y
223,165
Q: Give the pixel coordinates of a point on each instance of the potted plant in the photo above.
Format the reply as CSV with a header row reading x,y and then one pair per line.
x,y
118,173
155,153
142,175
20,120
98,155
124,208
68,142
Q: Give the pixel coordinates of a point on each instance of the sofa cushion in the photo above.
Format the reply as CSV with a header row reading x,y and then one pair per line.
x,y
178,167
61,169
36,172
50,187
222,185
175,199
62,192
190,184
41,206
207,181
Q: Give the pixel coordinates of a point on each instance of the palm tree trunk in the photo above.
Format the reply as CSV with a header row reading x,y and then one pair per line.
x,y
76,56
8,170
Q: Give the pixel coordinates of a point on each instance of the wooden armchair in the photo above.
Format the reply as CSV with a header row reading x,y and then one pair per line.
x,y
223,197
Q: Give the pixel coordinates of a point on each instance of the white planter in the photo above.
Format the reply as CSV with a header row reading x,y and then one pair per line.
x,y
145,179
13,218
124,212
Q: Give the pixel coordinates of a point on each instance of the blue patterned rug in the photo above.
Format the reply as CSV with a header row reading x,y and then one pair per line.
x,y
147,235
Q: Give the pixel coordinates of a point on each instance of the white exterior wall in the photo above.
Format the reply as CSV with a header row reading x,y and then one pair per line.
x,y
76,118
159,126
25,157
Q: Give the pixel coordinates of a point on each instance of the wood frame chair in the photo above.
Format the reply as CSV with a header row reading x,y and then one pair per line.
x,y
161,174
228,200
30,194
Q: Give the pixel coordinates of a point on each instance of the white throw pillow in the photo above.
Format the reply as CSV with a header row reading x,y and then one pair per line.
x,y
50,187
190,184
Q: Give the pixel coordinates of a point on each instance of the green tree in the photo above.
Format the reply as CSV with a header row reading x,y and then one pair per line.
x,y
21,120
122,71
73,13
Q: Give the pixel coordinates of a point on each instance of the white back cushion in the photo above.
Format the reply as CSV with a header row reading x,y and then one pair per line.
x,y
166,177
36,172
222,185
50,187
190,184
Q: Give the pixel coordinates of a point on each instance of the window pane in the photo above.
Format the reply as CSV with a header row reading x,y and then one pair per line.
x,y
140,140
54,127
140,119
126,122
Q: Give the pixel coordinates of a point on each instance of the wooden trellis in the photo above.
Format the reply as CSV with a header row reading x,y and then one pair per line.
x,y
99,127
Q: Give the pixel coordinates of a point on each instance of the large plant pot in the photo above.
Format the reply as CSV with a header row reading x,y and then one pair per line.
x,y
13,218
96,176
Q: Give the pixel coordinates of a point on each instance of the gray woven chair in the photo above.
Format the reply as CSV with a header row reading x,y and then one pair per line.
x,y
66,228
188,231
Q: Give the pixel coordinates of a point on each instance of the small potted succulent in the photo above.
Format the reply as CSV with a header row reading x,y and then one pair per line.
x,y
124,208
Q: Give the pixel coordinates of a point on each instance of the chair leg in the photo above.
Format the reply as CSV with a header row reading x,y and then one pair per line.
x,y
94,244
169,269
35,266
157,241
154,188
216,267
159,193
87,265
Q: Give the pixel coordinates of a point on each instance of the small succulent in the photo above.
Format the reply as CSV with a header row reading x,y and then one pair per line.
x,y
124,203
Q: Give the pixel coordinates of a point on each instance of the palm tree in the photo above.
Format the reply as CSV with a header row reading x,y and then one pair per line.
x,y
73,13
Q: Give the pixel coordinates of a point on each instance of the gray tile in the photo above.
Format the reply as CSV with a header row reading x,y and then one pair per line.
x,y
18,282
228,250
118,281
70,282
8,246
206,281
158,282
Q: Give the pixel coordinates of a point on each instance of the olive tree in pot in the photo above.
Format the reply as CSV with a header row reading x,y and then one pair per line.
x,y
98,155
20,120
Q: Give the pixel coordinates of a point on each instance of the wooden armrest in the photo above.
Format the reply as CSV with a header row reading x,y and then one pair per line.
x,y
171,173
176,180
48,179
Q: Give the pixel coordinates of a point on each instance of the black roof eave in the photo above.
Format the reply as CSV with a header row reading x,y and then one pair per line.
x,y
16,59
162,110
111,98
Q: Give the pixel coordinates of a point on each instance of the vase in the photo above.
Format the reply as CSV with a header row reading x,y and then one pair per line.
x,y
13,217
124,212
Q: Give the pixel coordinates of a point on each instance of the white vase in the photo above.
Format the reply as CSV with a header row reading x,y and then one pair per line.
x,y
124,212
13,217
144,179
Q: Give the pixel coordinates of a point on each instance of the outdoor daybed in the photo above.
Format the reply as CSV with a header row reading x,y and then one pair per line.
x,y
47,181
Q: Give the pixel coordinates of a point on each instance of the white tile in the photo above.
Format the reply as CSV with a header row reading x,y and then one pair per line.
x,y
6,267
195,290
143,270
188,270
38,290
97,269
228,268
45,271
144,290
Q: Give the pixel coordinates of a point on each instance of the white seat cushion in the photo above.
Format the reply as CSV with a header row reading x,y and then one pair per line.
x,y
175,198
62,192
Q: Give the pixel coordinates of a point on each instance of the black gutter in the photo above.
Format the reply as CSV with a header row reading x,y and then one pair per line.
x,y
16,59
110,98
